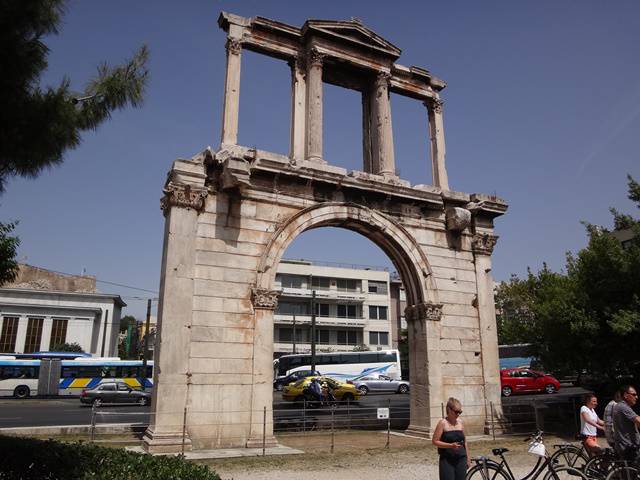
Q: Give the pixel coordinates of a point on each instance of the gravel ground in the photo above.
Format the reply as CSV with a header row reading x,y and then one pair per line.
x,y
363,456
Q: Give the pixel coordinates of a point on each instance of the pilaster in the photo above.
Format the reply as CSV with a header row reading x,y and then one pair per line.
x,y
21,334
436,131
45,339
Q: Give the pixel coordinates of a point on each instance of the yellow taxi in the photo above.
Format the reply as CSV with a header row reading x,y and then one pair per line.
x,y
342,391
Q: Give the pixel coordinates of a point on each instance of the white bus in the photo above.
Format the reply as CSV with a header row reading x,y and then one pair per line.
x,y
342,365
20,378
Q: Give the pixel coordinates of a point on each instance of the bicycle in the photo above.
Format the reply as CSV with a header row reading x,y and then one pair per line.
x,y
487,469
599,466
571,455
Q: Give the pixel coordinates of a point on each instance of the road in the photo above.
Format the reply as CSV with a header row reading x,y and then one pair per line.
x,y
69,411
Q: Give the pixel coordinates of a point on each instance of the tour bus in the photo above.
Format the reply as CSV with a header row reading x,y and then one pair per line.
x,y
20,378
342,365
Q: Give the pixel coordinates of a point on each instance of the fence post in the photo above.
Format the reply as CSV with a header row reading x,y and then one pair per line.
x,y
333,409
304,416
442,409
388,425
348,416
493,423
573,414
93,422
264,431
184,427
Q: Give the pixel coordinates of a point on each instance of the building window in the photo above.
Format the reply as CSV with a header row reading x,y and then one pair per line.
x,y
286,334
291,281
377,312
293,308
347,337
378,338
322,336
9,333
58,332
378,287
34,335
347,285
322,309
347,311
321,283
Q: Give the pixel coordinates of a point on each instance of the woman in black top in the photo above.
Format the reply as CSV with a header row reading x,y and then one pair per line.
x,y
452,446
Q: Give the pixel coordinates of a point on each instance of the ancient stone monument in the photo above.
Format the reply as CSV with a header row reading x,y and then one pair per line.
x,y
231,213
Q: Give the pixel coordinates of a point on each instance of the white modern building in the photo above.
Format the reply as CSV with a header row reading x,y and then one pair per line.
x,y
351,306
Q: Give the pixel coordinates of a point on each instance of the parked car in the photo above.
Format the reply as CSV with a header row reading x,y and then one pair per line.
x,y
341,391
379,383
525,380
280,382
114,392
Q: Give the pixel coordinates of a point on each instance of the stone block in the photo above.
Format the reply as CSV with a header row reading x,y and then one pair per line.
x,y
221,334
221,350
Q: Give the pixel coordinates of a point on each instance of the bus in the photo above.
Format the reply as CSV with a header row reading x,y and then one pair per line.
x,y
342,365
22,378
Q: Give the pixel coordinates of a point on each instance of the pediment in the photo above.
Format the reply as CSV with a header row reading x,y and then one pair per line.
x,y
351,31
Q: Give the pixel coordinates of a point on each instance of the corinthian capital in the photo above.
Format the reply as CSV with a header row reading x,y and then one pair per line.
x,y
233,45
437,105
315,58
382,78
423,311
182,195
483,243
265,299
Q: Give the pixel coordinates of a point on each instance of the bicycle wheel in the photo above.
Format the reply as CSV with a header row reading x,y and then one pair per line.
x,y
598,467
624,473
564,473
487,472
571,456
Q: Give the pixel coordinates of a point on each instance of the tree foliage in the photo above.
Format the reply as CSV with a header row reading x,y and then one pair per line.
x,y
39,124
589,317
8,251
67,347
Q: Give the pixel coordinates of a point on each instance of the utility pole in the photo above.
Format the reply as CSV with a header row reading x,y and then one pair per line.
x,y
313,331
294,333
145,353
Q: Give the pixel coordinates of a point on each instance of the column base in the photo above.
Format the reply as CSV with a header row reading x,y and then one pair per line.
x,y
153,442
316,160
418,431
256,442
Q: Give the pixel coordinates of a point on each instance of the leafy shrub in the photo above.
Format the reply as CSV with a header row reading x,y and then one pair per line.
x,y
31,459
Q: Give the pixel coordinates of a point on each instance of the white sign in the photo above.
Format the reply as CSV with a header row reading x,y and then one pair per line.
x,y
383,413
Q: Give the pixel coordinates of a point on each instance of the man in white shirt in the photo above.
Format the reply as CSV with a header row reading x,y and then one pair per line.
x,y
589,425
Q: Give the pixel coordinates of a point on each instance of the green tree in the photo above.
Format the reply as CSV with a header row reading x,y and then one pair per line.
x,y
39,124
67,347
8,251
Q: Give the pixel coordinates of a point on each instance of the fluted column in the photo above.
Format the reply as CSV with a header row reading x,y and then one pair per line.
x,y
436,131
231,104
298,109
264,304
314,106
383,162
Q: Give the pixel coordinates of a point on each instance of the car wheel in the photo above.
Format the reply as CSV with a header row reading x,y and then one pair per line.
x,y
506,391
143,401
97,402
550,388
403,388
22,391
363,389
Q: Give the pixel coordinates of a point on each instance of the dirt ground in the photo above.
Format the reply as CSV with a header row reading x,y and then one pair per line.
x,y
362,455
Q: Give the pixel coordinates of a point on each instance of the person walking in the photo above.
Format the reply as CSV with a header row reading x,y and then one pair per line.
x,y
451,442
589,425
607,417
625,425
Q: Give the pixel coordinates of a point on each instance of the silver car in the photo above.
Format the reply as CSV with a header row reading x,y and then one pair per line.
x,y
380,383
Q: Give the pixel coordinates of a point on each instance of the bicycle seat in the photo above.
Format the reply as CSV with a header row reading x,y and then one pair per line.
x,y
499,451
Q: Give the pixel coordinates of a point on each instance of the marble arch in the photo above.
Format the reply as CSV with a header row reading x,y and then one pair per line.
x,y
231,212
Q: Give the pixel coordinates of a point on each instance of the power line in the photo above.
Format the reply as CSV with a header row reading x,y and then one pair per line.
x,y
108,283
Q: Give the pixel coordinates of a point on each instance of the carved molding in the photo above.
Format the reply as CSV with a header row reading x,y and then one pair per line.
x,y
434,104
265,299
233,46
315,58
423,311
483,243
181,195
383,78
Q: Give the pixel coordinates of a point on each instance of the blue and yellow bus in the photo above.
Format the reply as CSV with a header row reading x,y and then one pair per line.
x,y
22,378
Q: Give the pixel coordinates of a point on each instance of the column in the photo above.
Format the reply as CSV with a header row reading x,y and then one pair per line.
x,y
21,334
231,103
264,304
366,131
298,109
45,340
436,132
383,162
314,106
423,327
482,245
171,375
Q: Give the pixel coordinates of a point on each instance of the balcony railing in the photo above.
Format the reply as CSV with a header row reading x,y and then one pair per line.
x,y
287,319
345,295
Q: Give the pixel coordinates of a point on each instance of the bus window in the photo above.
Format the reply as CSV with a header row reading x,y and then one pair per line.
x,y
387,357
368,357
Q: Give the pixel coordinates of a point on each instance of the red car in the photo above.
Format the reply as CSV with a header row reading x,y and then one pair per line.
x,y
521,380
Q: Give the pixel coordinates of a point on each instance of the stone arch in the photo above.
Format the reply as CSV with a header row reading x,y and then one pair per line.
x,y
403,250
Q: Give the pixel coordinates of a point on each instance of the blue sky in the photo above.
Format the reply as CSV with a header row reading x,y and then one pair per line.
x,y
542,108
